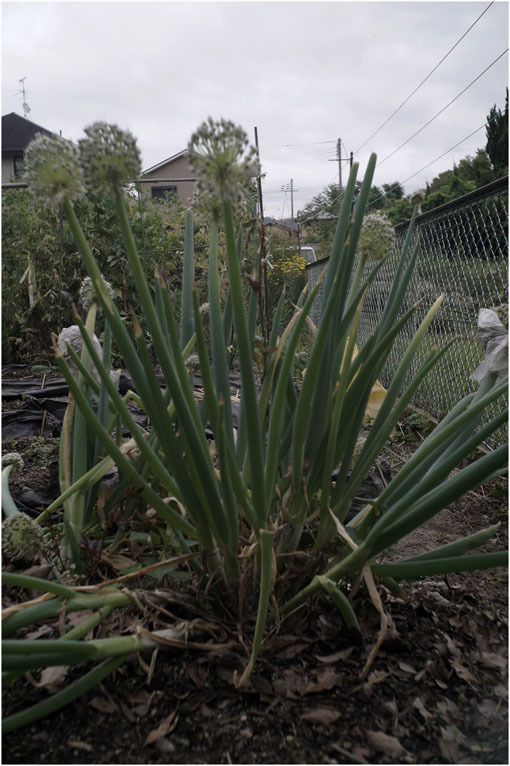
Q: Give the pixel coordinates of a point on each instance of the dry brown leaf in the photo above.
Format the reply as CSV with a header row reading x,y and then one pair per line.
x,y
118,561
377,676
141,697
500,690
79,745
43,630
452,646
420,707
141,702
449,750
462,671
52,678
407,668
292,651
165,745
360,753
493,660
388,745
343,654
327,678
103,705
74,618
321,715
39,570
167,725
488,708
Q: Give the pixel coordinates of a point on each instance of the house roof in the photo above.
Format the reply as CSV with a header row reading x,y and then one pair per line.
x,y
285,223
18,132
322,216
174,157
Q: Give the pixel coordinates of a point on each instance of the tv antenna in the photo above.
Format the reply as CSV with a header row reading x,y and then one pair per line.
x,y
26,108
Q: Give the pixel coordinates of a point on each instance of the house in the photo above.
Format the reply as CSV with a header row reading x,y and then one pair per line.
x,y
172,176
17,133
286,227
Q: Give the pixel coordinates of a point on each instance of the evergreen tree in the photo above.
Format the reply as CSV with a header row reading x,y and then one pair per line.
x,y
497,138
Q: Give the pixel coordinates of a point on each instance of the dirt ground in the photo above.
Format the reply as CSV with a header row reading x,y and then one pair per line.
x,y
437,691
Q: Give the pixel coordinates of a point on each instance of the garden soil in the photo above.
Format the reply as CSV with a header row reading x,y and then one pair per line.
x,y
437,691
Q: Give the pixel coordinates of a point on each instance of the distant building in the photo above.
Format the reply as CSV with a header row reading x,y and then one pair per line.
x,y
286,227
172,176
17,133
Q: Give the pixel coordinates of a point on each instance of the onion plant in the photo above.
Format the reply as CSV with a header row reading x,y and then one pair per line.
x,y
262,490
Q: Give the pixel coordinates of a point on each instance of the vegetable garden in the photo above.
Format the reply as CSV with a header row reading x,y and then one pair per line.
x,y
236,546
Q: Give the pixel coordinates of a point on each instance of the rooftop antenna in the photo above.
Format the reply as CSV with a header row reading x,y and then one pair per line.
x,y
26,108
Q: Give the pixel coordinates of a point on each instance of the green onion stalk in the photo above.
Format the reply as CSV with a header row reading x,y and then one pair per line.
x,y
267,481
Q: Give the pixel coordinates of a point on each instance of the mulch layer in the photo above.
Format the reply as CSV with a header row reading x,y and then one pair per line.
x,y
437,691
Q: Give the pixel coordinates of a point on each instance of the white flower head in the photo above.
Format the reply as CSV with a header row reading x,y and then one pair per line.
x,y
417,198
377,236
52,169
109,155
71,336
88,294
13,458
223,161
192,364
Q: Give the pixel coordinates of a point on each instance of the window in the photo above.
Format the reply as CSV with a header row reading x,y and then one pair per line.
x,y
160,193
18,165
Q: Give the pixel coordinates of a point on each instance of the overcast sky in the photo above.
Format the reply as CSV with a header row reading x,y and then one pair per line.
x,y
304,73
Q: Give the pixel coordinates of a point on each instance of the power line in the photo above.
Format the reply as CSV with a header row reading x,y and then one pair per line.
x,y
443,109
300,158
436,159
424,80
306,143
448,151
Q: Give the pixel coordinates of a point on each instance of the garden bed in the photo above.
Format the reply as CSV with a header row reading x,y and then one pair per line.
x,y
436,693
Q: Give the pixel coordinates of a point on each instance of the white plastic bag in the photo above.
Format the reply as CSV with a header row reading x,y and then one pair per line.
x,y
493,336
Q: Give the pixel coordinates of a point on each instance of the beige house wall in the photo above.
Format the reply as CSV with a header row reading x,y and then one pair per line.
x,y
174,169
7,169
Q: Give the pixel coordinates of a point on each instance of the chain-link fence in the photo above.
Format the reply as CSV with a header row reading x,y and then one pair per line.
x,y
463,256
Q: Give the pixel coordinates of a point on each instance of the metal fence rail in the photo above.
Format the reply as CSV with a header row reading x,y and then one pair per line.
x,y
463,256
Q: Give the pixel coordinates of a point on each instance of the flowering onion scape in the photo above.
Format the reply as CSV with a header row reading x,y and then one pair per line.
x,y
52,169
241,506
109,156
377,237
223,161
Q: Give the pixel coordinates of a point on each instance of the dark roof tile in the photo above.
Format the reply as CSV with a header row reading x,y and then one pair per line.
x,y
18,132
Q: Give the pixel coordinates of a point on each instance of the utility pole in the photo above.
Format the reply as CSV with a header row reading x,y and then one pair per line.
x,y
339,160
290,187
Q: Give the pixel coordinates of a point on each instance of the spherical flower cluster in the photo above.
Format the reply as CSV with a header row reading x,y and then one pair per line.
x,y
88,294
223,161
13,458
192,364
22,538
417,198
52,169
377,237
109,155
71,336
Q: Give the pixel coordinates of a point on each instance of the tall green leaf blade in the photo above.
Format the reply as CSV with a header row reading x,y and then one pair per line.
x,y
187,324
